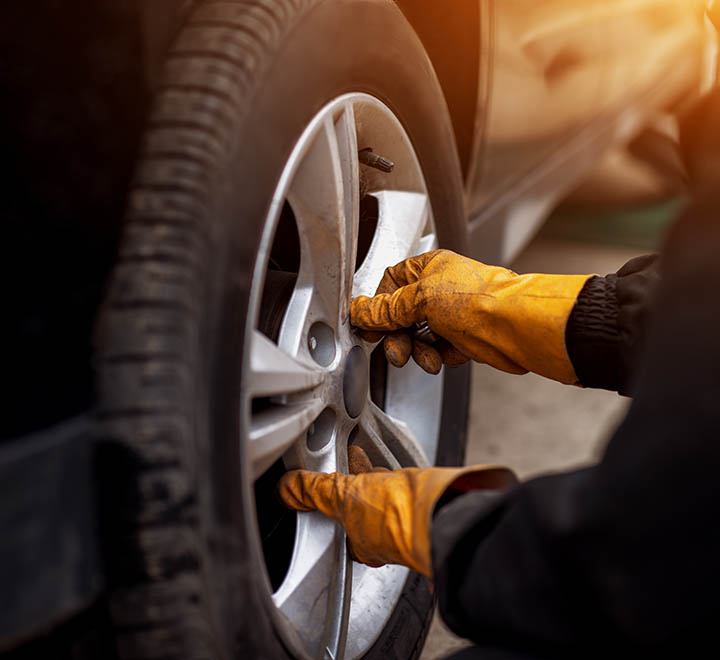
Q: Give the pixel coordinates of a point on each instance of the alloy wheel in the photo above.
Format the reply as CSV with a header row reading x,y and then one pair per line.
x,y
312,386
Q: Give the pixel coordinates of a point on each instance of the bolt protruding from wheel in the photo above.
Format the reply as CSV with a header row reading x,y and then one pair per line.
x,y
424,333
367,157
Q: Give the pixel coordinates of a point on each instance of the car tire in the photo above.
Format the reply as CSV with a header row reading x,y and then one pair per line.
x,y
242,81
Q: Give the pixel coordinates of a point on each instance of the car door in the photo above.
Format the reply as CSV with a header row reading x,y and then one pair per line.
x,y
546,79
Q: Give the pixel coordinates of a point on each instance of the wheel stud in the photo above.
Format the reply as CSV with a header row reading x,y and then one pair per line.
x,y
367,157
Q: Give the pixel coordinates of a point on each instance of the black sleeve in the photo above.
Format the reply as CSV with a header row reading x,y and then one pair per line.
x,y
606,328
623,555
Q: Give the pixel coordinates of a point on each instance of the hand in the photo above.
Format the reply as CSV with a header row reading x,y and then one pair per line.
x,y
515,323
386,515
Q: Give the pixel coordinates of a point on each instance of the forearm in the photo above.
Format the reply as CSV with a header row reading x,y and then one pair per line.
x,y
606,329
622,553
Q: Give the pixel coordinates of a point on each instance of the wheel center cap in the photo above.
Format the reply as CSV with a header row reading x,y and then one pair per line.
x,y
356,381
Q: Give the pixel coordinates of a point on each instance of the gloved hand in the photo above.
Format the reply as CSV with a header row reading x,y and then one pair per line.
x,y
515,323
386,515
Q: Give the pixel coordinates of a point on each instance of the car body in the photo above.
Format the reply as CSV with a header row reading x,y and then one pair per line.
x,y
568,81
537,92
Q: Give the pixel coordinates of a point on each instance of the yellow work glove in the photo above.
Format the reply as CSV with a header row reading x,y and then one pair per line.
x,y
386,515
515,323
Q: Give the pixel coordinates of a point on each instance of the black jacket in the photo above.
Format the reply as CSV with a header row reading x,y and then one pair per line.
x,y
623,557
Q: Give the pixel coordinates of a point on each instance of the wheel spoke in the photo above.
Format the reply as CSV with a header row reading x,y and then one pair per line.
x,y
324,198
274,430
390,439
403,218
427,243
370,612
274,372
369,439
346,133
416,397
318,609
294,388
337,639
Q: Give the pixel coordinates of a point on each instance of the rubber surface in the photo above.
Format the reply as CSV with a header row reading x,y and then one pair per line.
x,y
242,81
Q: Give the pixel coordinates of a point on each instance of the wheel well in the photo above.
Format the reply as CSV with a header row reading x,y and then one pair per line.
x,y
452,41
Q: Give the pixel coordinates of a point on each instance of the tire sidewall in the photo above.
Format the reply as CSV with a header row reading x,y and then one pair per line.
x,y
331,51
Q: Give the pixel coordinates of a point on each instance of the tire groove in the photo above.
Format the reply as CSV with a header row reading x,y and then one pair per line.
x,y
159,257
172,188
174,155
261,6
204,89
193,124
132,305
229,26
211,54
123,413
147,221
137,358
164,123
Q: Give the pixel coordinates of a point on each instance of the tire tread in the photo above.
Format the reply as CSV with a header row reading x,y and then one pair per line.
x,y
160,607
151,328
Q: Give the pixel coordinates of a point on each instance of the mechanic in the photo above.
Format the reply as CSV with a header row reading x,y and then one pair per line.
x,y
622,557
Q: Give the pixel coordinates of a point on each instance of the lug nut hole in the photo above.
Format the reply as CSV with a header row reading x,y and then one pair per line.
x,y
321,343
321,431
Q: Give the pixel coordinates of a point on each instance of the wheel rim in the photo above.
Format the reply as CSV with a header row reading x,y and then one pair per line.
x,y
313,378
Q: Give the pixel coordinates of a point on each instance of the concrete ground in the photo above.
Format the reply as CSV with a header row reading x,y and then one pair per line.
x,y
535,425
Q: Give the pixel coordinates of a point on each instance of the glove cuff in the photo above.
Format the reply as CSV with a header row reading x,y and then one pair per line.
x,y
432,485
536,310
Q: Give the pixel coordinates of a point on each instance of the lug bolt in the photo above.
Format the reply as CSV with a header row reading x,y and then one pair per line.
x,y
424,333
367,157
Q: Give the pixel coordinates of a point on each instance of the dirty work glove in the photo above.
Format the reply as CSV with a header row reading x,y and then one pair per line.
x,y
386,514
515,323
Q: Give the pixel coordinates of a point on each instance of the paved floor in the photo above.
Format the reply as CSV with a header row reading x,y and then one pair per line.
x,y
534,425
